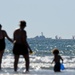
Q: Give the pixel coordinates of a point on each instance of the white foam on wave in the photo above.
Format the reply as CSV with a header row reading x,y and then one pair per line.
x,y
37,62
38,66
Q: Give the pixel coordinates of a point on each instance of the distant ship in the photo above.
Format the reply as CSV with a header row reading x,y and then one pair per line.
x,y
40,37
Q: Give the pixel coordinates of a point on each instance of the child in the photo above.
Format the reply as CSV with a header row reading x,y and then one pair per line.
x,y
57,59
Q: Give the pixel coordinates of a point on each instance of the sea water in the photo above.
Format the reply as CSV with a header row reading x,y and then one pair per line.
x,y
42,54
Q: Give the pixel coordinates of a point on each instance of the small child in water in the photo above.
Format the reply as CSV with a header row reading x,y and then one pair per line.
x,y
57,59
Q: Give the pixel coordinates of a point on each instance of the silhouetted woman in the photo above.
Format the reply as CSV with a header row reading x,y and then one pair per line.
x,y
21,46
3,34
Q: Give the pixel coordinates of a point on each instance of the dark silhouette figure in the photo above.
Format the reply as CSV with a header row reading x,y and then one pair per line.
x,y
57,59
21,46
3,34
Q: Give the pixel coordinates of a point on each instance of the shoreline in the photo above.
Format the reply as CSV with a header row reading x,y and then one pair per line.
x,y
37,72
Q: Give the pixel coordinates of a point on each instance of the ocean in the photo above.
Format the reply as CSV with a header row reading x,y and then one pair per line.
x,y
42,54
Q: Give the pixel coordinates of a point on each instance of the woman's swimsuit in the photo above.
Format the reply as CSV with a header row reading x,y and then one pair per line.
x,y
20,48
2,44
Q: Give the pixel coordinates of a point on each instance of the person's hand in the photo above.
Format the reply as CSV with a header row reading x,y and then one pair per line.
x,y
62,62
31,52
14,41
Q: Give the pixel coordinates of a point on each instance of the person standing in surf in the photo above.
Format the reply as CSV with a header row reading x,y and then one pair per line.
x,y
3,34
57,59
21,46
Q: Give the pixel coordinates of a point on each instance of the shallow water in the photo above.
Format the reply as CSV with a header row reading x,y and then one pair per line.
x,y
42,56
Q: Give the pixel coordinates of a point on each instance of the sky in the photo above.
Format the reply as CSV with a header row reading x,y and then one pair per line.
x,y
52,17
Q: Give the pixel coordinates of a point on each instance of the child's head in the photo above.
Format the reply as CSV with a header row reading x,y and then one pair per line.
x,y
55,51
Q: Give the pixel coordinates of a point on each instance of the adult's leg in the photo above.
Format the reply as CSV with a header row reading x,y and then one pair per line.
x,y
26,57
16,58
1,55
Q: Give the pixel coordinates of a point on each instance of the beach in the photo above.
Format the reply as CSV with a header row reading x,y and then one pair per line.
x,y
37,72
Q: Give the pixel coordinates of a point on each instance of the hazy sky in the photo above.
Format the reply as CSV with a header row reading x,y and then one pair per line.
x,y
52,17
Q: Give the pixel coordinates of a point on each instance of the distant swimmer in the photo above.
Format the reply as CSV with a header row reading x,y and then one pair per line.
x,y
3,34
21,46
